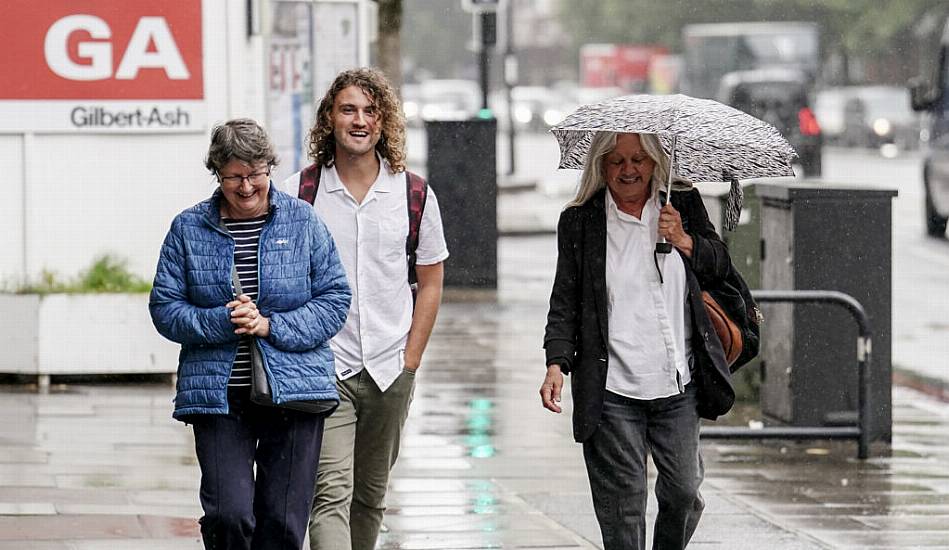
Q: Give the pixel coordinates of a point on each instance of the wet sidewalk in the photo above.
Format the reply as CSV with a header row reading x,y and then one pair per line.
x,y
483,465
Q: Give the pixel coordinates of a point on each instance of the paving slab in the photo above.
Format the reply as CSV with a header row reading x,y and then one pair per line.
x,y
100,466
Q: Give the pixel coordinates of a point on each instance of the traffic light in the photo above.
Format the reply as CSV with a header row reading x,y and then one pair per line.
x,y
489,28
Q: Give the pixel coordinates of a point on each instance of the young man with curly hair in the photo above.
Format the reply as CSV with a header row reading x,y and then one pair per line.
x,y
358,145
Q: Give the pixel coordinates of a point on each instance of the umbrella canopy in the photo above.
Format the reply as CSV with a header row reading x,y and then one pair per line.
x,y
713,142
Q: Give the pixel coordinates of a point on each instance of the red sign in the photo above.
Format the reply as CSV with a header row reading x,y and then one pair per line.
x,y
597,65
632,65
102,49
617,65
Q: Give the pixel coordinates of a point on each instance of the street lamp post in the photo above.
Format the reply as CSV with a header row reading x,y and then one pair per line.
x,y
510,79
485,37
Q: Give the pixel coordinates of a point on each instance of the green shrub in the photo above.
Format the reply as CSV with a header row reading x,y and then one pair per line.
x,y
48,283
107,273
110,274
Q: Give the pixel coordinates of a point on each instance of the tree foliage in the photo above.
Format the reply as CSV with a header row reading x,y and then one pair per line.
x,y
389,40
862,29
436,34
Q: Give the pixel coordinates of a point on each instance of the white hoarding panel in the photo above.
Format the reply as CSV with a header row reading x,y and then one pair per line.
x,y
337,42
290,83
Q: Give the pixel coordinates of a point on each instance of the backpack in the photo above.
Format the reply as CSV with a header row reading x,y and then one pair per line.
x,y
416,191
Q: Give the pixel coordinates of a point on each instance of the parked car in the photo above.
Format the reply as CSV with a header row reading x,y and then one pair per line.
x,y
829,106
412,104
780,97
880,115
440,99
586,95
932,98
536,108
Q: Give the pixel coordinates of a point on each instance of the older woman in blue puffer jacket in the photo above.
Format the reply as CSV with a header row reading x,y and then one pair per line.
x,y
293,298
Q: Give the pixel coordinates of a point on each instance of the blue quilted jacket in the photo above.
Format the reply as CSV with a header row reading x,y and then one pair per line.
x,y
302,290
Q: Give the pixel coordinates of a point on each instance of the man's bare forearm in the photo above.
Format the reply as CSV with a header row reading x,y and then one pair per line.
x,y
427,302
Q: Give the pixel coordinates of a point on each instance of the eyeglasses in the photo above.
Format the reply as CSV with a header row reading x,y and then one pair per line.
x,y
256,177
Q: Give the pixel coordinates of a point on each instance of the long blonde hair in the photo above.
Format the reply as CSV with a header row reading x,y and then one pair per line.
x,y
591,181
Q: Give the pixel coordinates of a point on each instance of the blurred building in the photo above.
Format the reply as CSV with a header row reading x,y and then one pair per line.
x,y
105,112
539,42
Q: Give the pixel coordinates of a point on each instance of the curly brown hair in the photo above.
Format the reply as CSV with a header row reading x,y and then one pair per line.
x,y
391,145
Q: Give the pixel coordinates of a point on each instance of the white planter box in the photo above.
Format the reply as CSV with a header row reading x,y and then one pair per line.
x,y
81,334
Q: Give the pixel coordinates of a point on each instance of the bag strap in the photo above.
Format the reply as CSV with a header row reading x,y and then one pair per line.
x,y
416,192
309,182
236,281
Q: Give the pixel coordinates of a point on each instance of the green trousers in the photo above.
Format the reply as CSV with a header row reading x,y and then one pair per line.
x,y
360,445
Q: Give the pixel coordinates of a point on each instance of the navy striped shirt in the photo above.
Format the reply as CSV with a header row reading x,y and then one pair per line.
x,y
246,234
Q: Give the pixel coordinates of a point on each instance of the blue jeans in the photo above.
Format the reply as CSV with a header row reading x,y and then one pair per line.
x,y
615,457
271,511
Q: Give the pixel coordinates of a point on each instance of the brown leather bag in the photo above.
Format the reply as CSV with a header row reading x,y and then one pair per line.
x,y
728,331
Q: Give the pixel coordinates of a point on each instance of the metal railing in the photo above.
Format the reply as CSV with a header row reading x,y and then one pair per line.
x,y
860,432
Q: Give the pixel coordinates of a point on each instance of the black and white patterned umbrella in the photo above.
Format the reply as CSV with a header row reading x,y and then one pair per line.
x,y
708,141
714,142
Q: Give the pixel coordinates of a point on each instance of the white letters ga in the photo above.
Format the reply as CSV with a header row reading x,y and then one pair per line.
x,y
149,29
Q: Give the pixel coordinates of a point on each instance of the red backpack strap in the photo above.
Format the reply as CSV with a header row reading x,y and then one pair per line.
x,y
416,191
309,182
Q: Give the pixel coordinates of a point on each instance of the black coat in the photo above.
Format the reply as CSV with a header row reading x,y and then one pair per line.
x,y
576,336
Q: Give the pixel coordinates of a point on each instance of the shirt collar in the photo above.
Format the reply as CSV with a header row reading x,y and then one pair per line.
x,y
383,183
650,211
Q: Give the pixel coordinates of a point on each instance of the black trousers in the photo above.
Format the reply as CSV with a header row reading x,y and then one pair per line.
x,y
615,456
269,510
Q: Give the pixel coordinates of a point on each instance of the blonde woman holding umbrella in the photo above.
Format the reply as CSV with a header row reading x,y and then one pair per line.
x,y
629,325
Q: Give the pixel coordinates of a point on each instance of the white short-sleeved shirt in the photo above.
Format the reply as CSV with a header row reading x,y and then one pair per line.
x,y
370,238
648,328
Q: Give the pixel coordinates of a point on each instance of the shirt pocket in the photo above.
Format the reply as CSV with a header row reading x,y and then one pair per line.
x,y
391,241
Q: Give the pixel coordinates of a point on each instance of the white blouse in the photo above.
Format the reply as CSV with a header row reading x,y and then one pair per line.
x,y
649,325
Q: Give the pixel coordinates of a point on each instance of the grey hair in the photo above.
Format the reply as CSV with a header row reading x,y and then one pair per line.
x,y
242,139
591,181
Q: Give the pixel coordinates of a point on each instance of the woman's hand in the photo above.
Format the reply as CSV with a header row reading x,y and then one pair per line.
x,y
248,319
670,227
551,388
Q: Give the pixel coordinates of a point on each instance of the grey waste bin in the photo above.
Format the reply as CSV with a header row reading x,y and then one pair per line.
x,y
744,242
824,237
462,169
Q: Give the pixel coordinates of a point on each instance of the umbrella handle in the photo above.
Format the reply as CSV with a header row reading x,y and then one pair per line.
x,y
662,247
